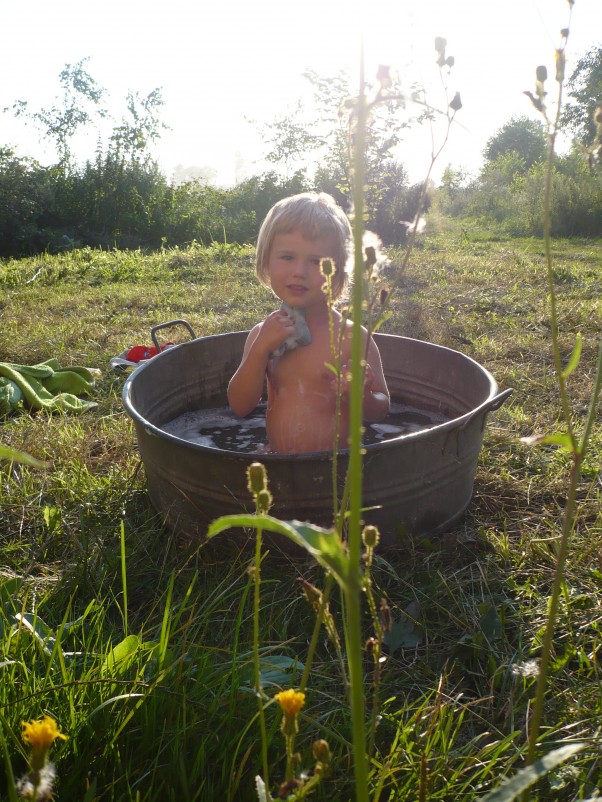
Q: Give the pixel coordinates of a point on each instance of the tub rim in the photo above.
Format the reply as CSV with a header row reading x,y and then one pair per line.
x,y
492,402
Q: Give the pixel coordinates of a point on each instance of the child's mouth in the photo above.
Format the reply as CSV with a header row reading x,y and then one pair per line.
x,y
296,289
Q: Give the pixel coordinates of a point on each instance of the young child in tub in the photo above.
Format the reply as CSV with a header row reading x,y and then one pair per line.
x,y
292,346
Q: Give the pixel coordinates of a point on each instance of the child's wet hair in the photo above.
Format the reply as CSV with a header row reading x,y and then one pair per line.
x,y
314,214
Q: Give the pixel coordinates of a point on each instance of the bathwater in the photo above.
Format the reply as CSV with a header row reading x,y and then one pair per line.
x,y
220,428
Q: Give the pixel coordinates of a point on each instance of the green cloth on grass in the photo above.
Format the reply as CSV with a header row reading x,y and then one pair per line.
x,y
45,386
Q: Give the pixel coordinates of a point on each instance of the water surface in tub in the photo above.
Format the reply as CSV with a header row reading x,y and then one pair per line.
x,y
220,428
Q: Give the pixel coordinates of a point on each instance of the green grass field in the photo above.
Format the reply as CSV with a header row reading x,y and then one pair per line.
x,y
139,643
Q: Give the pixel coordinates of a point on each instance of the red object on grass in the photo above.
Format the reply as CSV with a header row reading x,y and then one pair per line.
x,y
140,352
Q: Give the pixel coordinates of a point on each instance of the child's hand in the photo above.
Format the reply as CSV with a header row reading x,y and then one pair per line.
x,y
275,329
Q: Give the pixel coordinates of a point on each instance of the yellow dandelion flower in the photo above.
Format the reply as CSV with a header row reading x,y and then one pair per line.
x,y
41,734
290,701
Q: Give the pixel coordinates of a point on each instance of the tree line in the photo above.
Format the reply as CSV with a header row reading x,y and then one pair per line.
x,y
120,197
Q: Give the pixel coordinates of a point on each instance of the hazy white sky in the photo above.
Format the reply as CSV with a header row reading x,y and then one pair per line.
x,y
223,62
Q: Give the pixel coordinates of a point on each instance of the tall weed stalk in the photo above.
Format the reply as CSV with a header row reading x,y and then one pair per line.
x,y
570,440
353,590
343,561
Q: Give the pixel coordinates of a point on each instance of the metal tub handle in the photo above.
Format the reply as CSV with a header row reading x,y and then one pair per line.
x,y
169,323
487,406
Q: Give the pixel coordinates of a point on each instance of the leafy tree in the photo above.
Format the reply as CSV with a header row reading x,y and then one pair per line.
x,y
331,121
521,135
26,195
257,195
143,125
290,140
584,89
81,98
492,198
454,191
80,107
115,199
111,201
396,203
323,140
576,201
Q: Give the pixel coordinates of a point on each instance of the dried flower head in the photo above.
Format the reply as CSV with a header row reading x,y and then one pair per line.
x,y
370,260
321,751
312,593
257,479
287,787
456,102
370,536
560,62
264,500
327,267
384,614
384,76
370,645
440,45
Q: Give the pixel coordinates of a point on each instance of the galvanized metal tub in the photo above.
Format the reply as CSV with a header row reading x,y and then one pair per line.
x,y
418,483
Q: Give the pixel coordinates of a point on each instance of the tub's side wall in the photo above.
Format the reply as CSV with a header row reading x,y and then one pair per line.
x,y
418,484
431,377
190,376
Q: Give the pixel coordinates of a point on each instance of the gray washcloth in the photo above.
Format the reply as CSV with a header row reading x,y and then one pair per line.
x,y
301,336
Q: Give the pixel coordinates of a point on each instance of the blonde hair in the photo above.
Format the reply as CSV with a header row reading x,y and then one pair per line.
x,y
314,215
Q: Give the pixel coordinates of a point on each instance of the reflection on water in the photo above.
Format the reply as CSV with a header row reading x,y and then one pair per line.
x,y
220,428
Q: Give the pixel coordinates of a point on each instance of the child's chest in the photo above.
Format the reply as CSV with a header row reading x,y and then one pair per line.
x,y
306,366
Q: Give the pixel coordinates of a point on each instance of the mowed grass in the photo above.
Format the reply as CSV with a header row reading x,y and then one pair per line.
x,y
139,642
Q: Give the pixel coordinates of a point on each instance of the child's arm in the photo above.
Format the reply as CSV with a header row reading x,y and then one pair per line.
x,y
376,392
246,386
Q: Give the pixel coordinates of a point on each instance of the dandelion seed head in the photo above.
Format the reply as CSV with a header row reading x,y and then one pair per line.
x,y
416,224
38,785
529,668
373,247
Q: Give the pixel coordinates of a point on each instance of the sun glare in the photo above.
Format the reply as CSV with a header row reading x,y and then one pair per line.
x,y
228,68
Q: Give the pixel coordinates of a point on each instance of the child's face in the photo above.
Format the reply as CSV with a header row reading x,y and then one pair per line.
x,y
294,268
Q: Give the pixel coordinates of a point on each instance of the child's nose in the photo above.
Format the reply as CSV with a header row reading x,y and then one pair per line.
x,y
300,267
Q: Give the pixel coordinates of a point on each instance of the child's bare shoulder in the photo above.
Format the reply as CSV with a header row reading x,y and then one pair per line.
x,y
252,336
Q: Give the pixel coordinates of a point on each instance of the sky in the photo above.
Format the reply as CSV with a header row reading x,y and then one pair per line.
x,y
228,67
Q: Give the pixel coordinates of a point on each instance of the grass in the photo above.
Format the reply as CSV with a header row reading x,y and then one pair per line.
x,y
140,644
